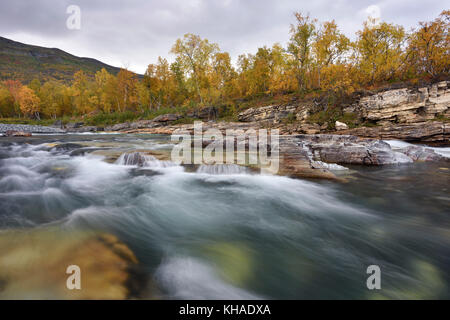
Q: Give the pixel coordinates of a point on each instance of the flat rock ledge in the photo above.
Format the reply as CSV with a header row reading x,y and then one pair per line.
x,y
304,156
321,156
429,132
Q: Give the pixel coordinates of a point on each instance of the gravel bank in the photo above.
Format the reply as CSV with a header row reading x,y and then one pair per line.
x,y
29,128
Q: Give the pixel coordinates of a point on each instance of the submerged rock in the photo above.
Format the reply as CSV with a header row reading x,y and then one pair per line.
x,y
33,265
234,260
65,147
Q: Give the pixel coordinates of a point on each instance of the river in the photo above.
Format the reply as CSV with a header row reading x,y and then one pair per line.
x,y
230,233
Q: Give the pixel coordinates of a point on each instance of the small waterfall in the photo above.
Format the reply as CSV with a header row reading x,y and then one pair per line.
x,y
141,159
222,169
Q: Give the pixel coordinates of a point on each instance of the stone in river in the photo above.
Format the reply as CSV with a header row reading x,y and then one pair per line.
x,y
33,265
14,133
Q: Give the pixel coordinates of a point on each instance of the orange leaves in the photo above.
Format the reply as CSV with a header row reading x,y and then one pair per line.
x,y
429,47
28,101
379,52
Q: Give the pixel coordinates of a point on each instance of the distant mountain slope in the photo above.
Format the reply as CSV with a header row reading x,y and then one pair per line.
x,y
25,62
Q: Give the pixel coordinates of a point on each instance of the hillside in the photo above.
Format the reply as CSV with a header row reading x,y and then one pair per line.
x,y
25,62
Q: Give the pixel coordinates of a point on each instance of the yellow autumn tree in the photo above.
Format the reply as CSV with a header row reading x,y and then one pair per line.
x,y
127,90
80,91
194,56
329,48
300,46
379,53
29,102
429,47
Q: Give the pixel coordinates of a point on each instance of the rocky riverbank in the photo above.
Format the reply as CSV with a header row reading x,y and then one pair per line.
x,y
410,114
24,128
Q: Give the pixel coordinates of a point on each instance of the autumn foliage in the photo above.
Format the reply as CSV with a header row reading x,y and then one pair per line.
x,y
318,58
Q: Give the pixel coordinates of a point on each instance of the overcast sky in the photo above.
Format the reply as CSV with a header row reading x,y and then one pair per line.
x,y
134,33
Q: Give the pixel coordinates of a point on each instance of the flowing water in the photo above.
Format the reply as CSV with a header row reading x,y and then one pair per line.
x,y
224,232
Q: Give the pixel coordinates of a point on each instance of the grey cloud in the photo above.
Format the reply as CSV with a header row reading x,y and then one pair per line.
x,y
135,32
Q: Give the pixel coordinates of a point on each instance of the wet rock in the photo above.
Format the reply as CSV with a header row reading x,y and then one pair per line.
x,y
64,147
83,151
418,153
83,129
33,265
132,159
144,124
13,133
351,150
295,161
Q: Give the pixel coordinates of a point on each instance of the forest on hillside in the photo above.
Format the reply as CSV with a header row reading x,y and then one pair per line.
x,y
318,59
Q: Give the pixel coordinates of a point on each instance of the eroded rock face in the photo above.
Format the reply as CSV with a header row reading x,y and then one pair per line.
x,y
206,113
33,265
406,105
167,117
118,127
296,160
273,114
432,131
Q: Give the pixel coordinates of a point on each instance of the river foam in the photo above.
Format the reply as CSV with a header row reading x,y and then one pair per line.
x,y
227,233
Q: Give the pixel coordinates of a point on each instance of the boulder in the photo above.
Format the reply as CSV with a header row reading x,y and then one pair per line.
x,y
422,154
141,124
118,127
167,117
309,128
33,265
340,126
66,147
57,124
295,161
14,133
206,113
350,150
74,125
83,129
